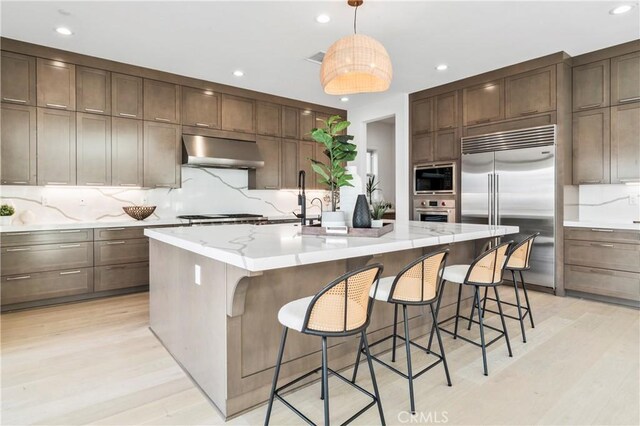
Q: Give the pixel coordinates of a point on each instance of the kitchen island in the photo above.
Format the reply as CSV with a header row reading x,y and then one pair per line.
x,y
215,292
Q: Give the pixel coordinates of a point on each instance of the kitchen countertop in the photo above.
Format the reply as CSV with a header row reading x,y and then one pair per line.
x,y
603,224
85,225
265,247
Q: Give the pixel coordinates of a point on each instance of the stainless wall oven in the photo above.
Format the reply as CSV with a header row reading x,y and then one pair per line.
x,y
434,211
437,178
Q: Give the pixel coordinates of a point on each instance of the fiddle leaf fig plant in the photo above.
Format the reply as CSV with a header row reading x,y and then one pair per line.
x,y
7,210
339,150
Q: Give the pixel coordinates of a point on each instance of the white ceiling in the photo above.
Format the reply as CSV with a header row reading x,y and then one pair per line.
x,y
269,40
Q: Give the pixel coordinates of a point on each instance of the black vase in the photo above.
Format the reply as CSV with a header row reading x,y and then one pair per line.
x,y
361,213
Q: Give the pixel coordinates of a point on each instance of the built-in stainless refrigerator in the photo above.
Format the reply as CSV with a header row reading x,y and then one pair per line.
x,y
508,178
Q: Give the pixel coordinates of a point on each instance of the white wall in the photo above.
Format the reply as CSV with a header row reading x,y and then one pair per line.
x,y
381,138
387,106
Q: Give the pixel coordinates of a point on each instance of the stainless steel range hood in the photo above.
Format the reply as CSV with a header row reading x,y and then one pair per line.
x,y
204,151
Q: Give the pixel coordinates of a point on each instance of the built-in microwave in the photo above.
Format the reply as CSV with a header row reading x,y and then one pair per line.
x,y
437,178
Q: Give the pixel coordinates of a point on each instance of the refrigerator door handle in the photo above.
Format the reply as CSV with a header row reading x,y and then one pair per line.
x,y
489,200
497,195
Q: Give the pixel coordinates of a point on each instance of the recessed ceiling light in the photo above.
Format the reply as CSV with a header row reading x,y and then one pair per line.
x,y
621,9
323,19
238,73
64,31
442,67
344,99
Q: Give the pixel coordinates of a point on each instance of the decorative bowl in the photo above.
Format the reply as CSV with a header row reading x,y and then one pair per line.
x,y
139,212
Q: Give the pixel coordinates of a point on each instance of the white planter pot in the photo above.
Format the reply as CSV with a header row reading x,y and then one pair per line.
x,y
376,223
330,219
6,220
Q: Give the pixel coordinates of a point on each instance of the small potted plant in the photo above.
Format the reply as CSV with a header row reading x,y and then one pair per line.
x,y
378,210
6,211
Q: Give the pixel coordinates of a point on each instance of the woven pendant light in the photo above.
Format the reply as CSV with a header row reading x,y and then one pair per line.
x,y
356,64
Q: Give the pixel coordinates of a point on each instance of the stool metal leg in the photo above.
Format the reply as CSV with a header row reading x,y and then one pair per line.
x,y
455,330
355,367
325,381
504,325
395,331
435,324
276,374
321,389
526,297
444,358
473,309
373,378
515,287
408,347
484,347
484,301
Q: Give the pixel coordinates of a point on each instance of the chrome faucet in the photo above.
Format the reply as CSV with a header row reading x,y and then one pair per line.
x,y
302,198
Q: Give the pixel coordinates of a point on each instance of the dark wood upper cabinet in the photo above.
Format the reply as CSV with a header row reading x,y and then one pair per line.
x,y
18,78
56,84
238,114
446,111
531,92
162,155
93,90
200,108
18,147
306,152
93,149
126,96
591,85
268,119
446,145
126,152
289,166
422,148
56,147
290,122
591,144
267,177
625,143
625,79
307,119
161,101
422,116
483,103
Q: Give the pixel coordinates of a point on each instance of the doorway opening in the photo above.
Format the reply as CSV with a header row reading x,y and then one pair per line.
x,y
381,162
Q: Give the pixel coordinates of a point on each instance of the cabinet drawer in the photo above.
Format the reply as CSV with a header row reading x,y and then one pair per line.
x,y
121,276
122,233
46,285
121,251
11,239
625,285
602,234
623,257
46,257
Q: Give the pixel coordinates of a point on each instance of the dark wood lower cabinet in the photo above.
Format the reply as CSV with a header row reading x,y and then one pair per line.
x,y
116,277
46,257
36,286
121,251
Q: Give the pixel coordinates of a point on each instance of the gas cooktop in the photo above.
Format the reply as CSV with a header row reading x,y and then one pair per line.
x,y
203,219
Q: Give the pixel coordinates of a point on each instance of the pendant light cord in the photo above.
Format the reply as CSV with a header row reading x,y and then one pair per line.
x,y
355,20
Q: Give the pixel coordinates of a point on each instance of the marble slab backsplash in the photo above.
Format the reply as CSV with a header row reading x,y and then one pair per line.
x,y
609,203
204,190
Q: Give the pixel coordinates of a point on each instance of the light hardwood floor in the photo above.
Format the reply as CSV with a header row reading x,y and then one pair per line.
x,y
97,362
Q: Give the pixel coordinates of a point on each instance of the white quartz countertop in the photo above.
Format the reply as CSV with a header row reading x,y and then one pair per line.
x,y
265,247
85,225
602,224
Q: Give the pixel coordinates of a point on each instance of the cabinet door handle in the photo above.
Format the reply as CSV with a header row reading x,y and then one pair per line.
x,y
533,111
69,245
114,229
109,268
70,231
21,233
602,245
124,114
162,185
590,106
485,120
591,181
19,249
94,110
113,243
601,271
202,125
94,183
22,101
70,272
128,184
447,127
635,98
270,187
56,106
629,180
57,183
601,230
23,277
16,182
162,119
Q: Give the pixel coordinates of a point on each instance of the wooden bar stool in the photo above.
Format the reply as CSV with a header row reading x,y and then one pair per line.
x,y
342,308
519,261
485,271
417,284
